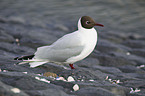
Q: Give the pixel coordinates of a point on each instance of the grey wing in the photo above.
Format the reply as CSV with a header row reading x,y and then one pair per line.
x,y
67,46
57,55
71,40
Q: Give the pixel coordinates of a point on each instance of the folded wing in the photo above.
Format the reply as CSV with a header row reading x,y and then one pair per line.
x,y
68,46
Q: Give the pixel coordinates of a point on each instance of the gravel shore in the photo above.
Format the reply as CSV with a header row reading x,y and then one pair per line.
x,y
115,68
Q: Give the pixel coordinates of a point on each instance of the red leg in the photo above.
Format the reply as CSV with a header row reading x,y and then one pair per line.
x,y
71,65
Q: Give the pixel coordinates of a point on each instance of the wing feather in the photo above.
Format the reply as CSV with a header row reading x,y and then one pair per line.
x,y
66,47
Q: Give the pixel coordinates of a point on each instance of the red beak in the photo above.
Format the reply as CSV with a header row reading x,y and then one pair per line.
x,y
97,24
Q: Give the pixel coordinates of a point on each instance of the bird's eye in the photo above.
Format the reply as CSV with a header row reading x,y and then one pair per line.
x,y
88,22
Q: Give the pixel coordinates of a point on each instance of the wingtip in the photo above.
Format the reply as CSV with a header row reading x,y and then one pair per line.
x,y
24,57
16,58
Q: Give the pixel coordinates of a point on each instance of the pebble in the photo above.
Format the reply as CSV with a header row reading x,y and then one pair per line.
x,y
15,90
76,87
70,79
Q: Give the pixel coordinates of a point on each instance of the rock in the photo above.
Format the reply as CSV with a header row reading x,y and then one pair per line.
x,y
138,83
105,46
88,62
29,84
138,52
61,27
46,92
111,70
115,68
130,69
93,91
76,87
106,60
6,90
84,74
134,43
5,37
134,59
12,48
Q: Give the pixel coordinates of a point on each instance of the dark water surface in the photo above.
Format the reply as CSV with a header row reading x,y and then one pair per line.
x,y
117,15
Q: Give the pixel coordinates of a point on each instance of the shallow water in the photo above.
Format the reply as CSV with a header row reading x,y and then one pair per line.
x,y
117,15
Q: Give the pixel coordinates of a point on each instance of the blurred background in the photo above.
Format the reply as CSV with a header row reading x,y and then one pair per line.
x,y
116,15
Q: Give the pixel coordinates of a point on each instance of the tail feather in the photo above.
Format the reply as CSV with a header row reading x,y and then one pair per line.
x,y
29,59
24,57
35,64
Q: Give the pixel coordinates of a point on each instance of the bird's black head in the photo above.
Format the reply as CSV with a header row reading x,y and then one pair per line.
x,y
88,23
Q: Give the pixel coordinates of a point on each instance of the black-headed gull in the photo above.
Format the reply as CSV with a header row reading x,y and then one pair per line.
x,y
68,49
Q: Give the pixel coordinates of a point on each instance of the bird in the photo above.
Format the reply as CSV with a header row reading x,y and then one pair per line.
x,y
68,49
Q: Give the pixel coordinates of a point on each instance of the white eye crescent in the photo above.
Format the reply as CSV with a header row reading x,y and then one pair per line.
x,y
88,22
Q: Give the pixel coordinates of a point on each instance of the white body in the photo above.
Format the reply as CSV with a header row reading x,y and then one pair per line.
x,y
68,49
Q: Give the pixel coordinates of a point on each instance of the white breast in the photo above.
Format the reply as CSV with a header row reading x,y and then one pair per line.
x,y
89,38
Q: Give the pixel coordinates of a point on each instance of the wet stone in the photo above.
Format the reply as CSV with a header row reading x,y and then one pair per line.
x,y
115,68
